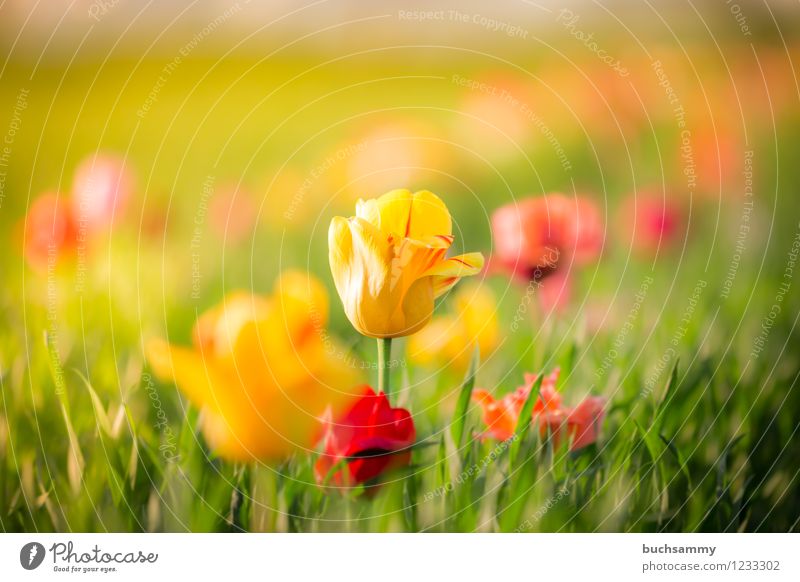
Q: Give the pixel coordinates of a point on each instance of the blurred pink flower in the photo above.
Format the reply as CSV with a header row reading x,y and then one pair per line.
x,y
650,221
540,239
232,214
100,191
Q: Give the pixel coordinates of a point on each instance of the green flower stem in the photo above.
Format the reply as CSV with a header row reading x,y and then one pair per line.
x,y
384,357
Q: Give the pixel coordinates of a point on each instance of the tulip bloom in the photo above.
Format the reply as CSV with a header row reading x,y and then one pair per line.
x,y
50,230
580,425
100,191
651,221
262,369
539,239
388,262
372,436
450,338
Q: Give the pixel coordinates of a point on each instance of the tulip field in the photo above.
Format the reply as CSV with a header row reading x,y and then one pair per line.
x,y
423,290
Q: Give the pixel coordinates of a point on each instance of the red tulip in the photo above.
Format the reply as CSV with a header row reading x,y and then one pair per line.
x,y
537,237
651,221
50,230
579,425
372,436
584,422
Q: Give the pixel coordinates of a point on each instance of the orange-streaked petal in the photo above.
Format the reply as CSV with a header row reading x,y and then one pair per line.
x,y
419,215
448,272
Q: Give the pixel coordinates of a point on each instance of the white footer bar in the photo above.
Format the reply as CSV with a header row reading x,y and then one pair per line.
x,y
401,557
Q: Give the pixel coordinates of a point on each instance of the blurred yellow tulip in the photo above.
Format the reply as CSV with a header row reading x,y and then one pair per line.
x,y
262,369
449,339
388,261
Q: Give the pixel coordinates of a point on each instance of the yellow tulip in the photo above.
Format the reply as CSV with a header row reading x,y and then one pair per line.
x,y
389,264
449,339
262,369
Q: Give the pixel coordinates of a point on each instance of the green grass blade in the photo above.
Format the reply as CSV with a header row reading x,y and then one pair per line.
x,y
666,397
460,417
100,412
524,422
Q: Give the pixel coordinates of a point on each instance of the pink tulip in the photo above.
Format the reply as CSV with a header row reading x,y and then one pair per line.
x,y
232,214
100,191
541,239
651,221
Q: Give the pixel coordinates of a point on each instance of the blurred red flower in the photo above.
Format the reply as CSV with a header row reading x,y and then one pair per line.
x,y
651,221
374,437
540,239
50,230
56,222
580,426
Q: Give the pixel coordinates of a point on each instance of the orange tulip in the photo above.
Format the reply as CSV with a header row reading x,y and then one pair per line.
x,y
580,426
262,369
650,221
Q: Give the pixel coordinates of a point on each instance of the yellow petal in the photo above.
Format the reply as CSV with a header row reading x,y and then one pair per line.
x,y
195,376
381,284
420,215
476,306
414,311
216,330
262,395
360,259
360,256
388,261
340,245
434,341
303,304
448,272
